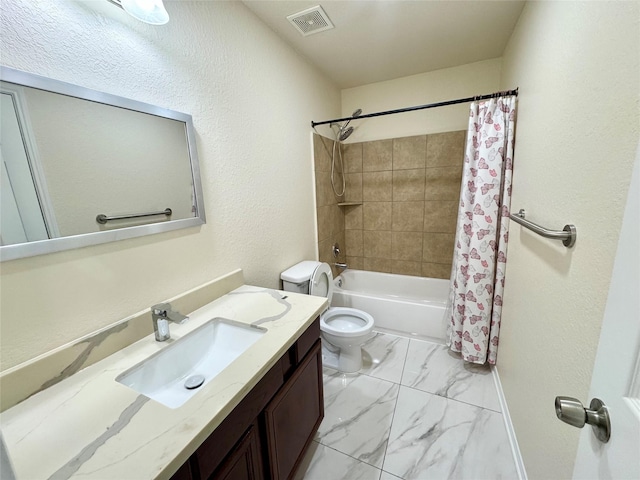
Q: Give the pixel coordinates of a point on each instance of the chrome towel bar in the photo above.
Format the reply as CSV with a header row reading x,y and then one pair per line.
x,y
102,218
568,234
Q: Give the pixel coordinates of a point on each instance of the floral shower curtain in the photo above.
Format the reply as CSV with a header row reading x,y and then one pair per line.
x,y
480,255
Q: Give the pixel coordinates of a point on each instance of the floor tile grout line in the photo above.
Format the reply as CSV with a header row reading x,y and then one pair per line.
x,y
401,372
443,396
452,399
372,376
404,364
384,457
355,376
347,455
381,469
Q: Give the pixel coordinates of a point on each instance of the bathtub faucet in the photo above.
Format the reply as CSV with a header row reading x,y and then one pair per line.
x,y
341,265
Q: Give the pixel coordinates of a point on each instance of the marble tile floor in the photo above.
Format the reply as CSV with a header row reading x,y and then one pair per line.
x,y
414,411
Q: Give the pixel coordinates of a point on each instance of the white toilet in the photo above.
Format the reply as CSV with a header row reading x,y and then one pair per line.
x,y
343,330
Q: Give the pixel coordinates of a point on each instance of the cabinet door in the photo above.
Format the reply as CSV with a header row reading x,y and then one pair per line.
x,y
294,415
245,461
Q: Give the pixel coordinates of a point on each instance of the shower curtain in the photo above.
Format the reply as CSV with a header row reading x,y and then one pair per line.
x,y
482,233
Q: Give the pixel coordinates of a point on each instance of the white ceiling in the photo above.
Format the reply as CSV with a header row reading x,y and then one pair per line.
x,y
377,40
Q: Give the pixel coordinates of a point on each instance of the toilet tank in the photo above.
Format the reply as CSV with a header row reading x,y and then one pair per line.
x,y
296,278
296,287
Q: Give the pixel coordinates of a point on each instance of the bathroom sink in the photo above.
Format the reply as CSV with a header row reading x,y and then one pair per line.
x,y
179,371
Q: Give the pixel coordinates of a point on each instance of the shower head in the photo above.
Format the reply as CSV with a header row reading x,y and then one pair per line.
x,y
355,114
345,134
344,131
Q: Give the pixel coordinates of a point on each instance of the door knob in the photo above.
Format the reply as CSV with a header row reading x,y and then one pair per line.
x,y
570,410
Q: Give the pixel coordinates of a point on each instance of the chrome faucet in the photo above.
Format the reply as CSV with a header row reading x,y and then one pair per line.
x,y
343,266
162,314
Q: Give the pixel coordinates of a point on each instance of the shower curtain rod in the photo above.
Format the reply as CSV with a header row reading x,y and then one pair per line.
x,y
506,93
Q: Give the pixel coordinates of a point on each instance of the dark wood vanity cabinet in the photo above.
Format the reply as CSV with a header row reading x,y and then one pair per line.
x,y
294,415
244,462
268,433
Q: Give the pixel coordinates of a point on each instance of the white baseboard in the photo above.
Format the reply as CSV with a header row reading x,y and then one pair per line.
x,y
511,434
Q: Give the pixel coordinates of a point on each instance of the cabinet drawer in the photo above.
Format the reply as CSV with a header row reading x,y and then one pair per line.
x,y
307,340
298,350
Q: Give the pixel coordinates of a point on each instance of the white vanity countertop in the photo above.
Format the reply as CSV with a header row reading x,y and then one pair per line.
x,y
91,426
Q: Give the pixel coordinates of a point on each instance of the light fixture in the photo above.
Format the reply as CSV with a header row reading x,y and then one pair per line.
x,y
147,11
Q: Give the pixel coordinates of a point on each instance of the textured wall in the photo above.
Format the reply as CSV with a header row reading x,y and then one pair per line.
x,y
576,64
251,98
437,86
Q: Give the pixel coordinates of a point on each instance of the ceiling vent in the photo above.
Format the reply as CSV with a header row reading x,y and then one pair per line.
x,y
310,21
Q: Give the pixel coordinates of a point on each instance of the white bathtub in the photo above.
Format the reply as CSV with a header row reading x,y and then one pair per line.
x,y
399,304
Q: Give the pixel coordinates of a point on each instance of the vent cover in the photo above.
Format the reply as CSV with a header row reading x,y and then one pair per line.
x,y
310,21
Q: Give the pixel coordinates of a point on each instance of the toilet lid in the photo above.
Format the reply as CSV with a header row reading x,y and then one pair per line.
x,y
321,282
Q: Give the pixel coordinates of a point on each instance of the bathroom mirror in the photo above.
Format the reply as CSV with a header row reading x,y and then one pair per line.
x,y
82,167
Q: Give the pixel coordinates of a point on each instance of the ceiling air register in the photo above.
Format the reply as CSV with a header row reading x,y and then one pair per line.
x,y
310,21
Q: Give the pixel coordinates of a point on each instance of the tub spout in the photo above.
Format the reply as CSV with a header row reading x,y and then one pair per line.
x,y
341,265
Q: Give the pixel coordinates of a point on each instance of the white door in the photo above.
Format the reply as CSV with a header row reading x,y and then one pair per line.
x,y
17,178
11,227
616,373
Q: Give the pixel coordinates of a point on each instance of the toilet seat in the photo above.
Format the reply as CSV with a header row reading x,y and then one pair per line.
x,y
343,330
321,282
346,322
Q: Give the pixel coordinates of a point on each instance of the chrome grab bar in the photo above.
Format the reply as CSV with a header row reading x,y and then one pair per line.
x,y
568,234
102,218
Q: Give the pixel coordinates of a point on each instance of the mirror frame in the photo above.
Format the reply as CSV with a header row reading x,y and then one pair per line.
x,y
41,247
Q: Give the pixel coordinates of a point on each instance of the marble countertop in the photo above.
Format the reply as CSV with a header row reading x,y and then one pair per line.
x,y
91,426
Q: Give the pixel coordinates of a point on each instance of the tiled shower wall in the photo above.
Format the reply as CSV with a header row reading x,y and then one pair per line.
x,y
330,216
407,190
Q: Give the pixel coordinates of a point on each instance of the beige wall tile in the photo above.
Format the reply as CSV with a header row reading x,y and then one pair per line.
x,y
443,183
406,246
321,158
341,240
446,149
352,157
401,200
436,270
408,185
353,191
355,263
440,217
403,267
377,156
377,187
337,219
353,243
353,217
324,193
324,251
376,216
409,152
438,248
324,222
377,265
408,216
377,244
